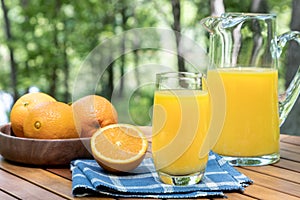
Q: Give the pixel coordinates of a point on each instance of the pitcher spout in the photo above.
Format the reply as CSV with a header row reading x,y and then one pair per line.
x,y
231,20
224,21
210,23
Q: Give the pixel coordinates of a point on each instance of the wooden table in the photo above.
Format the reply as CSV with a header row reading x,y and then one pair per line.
x,y
277,181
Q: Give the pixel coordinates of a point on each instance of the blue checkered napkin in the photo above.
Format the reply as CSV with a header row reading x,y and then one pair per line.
x,y
90,179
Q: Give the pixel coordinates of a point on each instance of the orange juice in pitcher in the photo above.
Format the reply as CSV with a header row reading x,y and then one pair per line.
x,y
251,126
243,52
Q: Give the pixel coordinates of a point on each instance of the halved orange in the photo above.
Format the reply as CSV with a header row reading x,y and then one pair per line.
x,y
119,147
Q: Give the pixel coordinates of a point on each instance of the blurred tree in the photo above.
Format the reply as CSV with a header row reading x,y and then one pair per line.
x,y
176,26
50,39
293,58
237,5
9,40
217,7
126,10
292,123
259,6
44,60
47,38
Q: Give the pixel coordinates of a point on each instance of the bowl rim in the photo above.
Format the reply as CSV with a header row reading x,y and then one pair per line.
x,y
2,134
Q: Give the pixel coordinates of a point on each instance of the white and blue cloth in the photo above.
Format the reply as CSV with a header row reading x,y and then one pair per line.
x,y
89,179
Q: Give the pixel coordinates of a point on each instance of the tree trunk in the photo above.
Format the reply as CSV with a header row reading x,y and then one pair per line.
x,y
67,97
110,70
177,30
54,68
122,70
53,79
259,6
136,44
13,66
292,124
293,59
217,7
136,69
66,64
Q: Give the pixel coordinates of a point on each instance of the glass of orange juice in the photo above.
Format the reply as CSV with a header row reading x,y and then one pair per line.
x,y
181,118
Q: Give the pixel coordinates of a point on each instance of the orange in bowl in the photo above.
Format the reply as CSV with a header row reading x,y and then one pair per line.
x,y
20,109
92,112
119,147
50,120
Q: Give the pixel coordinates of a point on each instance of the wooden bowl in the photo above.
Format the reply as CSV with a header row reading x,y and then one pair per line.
x,y
41,151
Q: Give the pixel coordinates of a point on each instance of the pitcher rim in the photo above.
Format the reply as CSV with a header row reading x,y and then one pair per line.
x,y
172,74
249,14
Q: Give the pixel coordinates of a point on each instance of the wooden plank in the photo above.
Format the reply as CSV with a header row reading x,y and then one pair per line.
x,y
236,196
261,192
273,183
52,182
63,172
135,199
6,196
290,147
294,156
282,136
291,139
288,164
66,173
95,198
23,189
281,173
43,178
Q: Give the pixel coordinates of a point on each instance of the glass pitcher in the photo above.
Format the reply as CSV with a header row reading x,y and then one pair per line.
x,y
244,52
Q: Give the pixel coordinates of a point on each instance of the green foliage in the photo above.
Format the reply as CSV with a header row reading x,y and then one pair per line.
x,y
237,5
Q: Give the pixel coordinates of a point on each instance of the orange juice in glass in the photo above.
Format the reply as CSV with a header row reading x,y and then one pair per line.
x,y
251,127
181,118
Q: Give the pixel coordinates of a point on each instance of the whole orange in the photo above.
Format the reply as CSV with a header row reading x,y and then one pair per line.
x,y
19,110
93,112
52,120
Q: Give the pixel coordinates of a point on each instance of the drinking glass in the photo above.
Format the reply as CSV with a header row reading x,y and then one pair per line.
x,y
181,119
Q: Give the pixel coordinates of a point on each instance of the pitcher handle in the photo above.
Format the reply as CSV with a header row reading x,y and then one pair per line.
x,y
289,97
